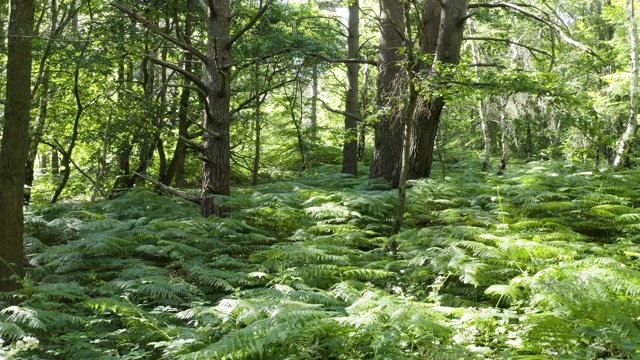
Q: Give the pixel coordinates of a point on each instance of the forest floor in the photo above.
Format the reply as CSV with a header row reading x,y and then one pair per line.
x,y
542,263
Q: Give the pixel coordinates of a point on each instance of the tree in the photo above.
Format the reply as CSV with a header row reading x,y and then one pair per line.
x,y
350,148
14,146
216,89
441,40
627,136
391,86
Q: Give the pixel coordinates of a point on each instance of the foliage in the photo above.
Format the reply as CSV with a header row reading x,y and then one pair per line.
x,y
541,264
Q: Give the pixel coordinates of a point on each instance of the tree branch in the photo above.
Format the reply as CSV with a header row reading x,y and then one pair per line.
x,y
344,61
169,190
149,25
351,115
189,75
561,34
192,143
530,48
250,24
214,134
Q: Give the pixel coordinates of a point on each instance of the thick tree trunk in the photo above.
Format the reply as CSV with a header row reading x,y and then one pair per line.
x,y
350,148
217,152
14,146
391,85
625,140
447,51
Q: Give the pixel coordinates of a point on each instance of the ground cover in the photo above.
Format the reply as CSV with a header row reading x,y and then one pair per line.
x,y
542,263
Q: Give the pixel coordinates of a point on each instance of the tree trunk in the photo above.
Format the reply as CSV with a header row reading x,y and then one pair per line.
x,y
176,169
447,51
55,162
313,115
216,166
66,156
475,51
387,151
407,119
14,146
350,148
504,138
486,144
36,136
44,162
256,157
362,127
625,140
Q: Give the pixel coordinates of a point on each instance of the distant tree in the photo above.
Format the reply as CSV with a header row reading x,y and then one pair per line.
x,y
350,148
627,136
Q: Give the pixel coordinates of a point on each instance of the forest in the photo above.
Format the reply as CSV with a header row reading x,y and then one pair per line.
x,y
319,179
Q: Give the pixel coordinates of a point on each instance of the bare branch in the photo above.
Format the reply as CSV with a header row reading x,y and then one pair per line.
x,y
149,25
344,61
530,48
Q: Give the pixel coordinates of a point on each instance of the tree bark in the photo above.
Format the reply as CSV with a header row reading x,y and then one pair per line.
x,y
391,85
217,152
14,146
625,140
350,147
452,15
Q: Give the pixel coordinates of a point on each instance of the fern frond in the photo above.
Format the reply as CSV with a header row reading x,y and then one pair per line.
x,y
24,316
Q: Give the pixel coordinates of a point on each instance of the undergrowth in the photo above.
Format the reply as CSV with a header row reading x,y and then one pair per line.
x,y
541,264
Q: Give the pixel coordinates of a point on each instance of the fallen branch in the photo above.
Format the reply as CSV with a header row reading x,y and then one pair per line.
x,y
170,190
